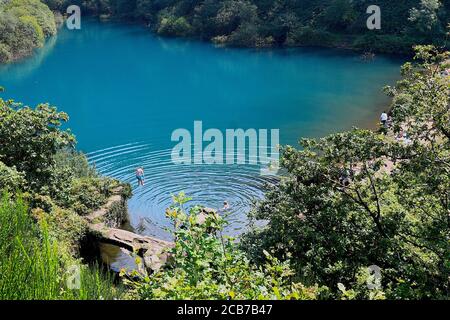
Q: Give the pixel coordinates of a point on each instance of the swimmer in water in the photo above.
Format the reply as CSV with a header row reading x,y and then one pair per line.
x,y
140,176
226,206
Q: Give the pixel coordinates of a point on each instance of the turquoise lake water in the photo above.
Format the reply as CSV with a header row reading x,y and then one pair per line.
x,y
126,90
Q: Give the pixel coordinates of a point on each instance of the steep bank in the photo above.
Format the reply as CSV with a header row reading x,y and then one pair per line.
x,y
24,26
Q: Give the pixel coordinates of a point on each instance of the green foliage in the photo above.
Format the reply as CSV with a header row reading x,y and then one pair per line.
x,y
75,162
359,198
31,267
24,25
5,52
30,139
174,26
340,14
32,27
256,23
88,194
10,179
310,36
207,265
425,17
65,226
393,44
38,157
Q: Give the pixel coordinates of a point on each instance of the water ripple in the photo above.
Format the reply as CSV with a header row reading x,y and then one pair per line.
x,y
208,185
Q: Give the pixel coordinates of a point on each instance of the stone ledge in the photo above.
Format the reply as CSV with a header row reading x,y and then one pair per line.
x,y
153,251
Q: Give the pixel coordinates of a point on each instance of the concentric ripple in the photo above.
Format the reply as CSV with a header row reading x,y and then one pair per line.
x,y
208,185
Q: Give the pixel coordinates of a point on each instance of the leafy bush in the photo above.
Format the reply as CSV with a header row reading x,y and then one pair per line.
x,y
247,35
5,53
10,179
391,44
55,174
36,9
30,139
174,26
65,226
340,14
88,194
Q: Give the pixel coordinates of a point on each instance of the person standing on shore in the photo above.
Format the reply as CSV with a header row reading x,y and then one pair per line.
x,y
384,119
140,176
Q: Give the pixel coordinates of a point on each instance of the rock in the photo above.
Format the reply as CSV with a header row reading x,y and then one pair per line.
x,y
154,251
205,213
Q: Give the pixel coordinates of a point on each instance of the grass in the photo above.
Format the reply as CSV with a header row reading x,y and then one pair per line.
x,y
31,267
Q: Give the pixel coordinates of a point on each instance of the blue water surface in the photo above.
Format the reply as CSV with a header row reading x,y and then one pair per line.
x,y
126,90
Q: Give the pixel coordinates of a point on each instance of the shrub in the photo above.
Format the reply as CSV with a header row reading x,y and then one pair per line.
x,y
55,173
65,226
87,194
35,8
247,35
30,139
10,179
174,26
33,30
361,198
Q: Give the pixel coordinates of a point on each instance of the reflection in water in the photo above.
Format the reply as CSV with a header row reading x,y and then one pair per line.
x,y
117,258
31,63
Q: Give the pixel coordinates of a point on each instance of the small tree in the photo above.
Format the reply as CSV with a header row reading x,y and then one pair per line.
x,y
30,139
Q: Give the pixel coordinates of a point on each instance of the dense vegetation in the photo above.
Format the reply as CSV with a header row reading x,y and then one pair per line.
x,y
362,198
24,25
260,23
47,186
